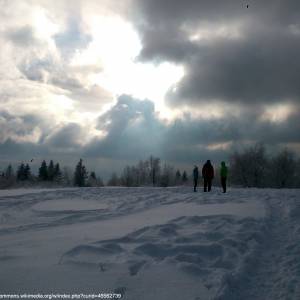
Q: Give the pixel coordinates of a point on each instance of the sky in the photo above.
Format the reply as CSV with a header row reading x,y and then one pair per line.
x,y
115,81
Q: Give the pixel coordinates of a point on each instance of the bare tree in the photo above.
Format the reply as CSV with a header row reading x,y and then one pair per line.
x,y
154,163
178,177
283,169
114,180
249,168
126,177
168,176
67,176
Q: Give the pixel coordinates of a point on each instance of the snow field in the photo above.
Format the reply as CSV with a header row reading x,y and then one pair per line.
x,y
152,243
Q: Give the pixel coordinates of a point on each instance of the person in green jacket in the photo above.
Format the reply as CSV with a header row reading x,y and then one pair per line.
x,y
223,175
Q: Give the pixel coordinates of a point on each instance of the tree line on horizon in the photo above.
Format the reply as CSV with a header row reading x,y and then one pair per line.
x,y
251,167
149,172
49,175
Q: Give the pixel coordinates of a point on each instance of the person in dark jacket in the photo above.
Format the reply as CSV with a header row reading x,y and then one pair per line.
x,y
196,175
223,175
208,175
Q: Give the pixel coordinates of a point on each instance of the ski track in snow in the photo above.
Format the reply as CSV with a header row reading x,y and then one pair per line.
x,y
273,271
241,245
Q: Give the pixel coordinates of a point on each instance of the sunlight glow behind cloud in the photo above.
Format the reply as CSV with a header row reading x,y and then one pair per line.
x,y
44,27
277,113
115,46
206,32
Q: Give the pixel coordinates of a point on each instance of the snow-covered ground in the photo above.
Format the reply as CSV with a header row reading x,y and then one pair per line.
x,y
151,243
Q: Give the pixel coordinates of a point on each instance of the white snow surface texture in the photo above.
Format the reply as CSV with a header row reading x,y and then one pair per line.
x,y
151,243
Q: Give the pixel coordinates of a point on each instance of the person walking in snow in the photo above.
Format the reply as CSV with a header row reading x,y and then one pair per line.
x,y
223,175
196,175
208,175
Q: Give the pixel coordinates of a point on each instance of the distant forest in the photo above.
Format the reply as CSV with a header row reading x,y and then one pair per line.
x,y
251,167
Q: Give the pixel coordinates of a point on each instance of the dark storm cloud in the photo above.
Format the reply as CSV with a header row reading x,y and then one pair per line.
x,y
66,138
126,110
133,131
132,128
241,71
164,12
157,47
285,132
235,129
20,150
15,129
253,60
